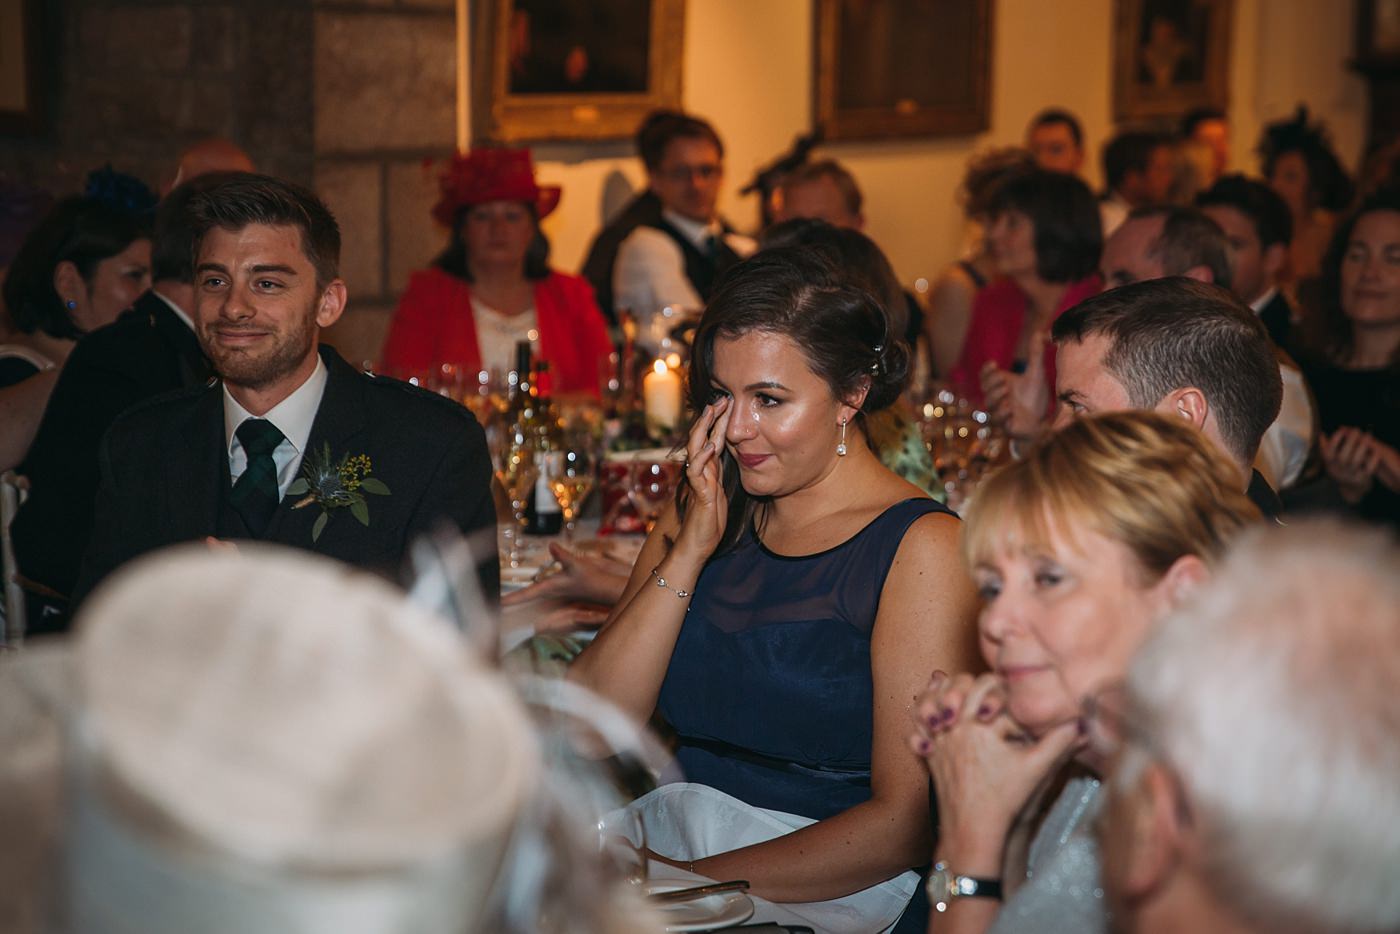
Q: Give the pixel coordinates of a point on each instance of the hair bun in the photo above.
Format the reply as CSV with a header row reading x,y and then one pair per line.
x,y
889,374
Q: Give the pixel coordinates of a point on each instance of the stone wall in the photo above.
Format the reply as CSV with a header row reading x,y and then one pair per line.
x,y
349,96
131,83
385,92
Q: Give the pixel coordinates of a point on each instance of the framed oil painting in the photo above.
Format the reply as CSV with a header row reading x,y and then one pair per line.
x,y
21,108
1170,56
573,69
902,68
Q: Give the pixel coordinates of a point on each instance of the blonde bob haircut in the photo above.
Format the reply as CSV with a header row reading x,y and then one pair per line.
x,y
1148,481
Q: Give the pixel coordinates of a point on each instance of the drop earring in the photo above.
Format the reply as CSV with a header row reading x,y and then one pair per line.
x,y
841,447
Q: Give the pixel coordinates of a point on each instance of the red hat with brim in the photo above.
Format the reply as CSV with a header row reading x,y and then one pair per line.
x,y
491,174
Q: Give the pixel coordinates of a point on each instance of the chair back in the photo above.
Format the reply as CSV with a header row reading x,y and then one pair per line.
x,y
14,489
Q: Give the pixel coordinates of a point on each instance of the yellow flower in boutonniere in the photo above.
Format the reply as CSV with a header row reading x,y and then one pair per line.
x,y
335,484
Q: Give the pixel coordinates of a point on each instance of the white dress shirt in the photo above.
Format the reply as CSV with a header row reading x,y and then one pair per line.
x,y
293,416
650,270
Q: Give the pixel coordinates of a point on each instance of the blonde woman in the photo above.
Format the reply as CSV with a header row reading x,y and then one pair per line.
x,y
1077,551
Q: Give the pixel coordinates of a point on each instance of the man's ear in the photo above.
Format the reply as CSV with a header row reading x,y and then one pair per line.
x,y
1188,403
1155,838
1274,257
332,304
1182,579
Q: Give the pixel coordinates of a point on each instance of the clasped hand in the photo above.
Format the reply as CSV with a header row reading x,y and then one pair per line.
x,y
985,767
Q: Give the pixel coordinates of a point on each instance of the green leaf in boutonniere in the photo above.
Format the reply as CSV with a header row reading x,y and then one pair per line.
x,y
333,485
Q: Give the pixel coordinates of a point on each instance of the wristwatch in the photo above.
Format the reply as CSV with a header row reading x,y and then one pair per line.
x,y
943,886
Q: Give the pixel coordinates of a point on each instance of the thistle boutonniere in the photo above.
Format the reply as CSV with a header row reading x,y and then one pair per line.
x,y
333,485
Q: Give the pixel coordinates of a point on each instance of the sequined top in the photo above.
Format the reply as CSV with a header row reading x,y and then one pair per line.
x,y
1063,893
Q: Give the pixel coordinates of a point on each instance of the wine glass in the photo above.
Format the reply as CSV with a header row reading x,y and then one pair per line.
x,y
517,469
622,842
650,489
571,473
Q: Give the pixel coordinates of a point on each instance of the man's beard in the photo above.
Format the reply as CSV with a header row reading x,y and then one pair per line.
x,y
257,369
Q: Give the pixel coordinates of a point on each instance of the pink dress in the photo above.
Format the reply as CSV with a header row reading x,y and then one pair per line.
x,y
998,314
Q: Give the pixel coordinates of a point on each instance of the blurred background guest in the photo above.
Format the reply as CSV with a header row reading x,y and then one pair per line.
x,y
212,154
150,350
1258,231
1300,164
1162,240
815,578
1077,551
1138,170
1354,367
643,208
826,191
492,286
84,264
1045,240
1055,140
1207,125
952,293
677,259
1253,781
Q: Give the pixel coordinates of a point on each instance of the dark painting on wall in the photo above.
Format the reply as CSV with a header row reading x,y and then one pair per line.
x,y
1170,56
573,69
892,68
21,108
579,46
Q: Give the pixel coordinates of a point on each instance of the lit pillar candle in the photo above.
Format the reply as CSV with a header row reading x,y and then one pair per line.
x,y
661,396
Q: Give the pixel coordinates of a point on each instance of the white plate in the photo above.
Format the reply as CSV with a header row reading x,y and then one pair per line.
x,y
723,909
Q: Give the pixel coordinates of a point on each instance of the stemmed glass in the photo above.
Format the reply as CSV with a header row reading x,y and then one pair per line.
x,y
650,488
517,469
571,473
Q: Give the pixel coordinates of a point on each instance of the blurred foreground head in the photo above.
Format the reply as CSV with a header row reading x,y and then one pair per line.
x,y
265,740
1254,787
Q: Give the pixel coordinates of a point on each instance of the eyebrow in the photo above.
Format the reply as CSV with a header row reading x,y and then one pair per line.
x,y
764,384
274,267
1069,395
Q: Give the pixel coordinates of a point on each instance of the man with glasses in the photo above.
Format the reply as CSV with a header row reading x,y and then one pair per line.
x,y
676,259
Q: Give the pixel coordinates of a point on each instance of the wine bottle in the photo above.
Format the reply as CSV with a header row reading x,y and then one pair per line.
x,y
542,514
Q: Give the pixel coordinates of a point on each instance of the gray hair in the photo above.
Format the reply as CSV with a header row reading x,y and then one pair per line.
x,y
1273,698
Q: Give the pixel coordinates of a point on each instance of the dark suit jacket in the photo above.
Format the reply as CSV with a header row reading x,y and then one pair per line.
x,y
146,352
1277,317
165,473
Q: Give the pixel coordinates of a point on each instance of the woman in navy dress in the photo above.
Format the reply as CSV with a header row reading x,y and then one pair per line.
x,y
783,616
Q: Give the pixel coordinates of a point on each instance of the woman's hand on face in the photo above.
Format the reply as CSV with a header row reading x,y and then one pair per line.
x,y
984,767
1352,458
707,507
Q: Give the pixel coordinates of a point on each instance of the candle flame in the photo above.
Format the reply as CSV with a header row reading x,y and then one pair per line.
x,y
659,366
673,361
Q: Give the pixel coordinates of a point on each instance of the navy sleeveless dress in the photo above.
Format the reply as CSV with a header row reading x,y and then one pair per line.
x,y
769,689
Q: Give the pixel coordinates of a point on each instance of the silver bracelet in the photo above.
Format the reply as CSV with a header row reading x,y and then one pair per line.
x,y
661,582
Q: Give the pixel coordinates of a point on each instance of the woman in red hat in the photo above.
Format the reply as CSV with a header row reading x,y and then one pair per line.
x,y
492,286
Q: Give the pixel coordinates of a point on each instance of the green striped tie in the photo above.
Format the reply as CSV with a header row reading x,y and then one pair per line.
x,y
255,494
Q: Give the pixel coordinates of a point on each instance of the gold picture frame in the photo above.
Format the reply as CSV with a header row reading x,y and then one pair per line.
x,y
888,69
1170,57
573,69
